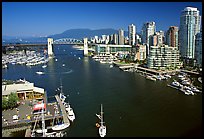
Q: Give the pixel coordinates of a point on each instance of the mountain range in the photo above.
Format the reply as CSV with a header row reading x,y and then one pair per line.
x,y
71,33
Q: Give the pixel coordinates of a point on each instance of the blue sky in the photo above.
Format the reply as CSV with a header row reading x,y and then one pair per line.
x,y
47,18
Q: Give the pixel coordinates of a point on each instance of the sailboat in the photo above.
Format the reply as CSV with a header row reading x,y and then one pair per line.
x,y
102,128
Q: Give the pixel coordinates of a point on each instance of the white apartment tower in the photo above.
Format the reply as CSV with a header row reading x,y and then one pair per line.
x,y
50,45
190,22
85,46
148,30
121,37
132,34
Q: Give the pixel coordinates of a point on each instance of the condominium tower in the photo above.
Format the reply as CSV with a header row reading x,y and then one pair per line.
x,y
121,37
198,49
148,29
132,34
190,22
172,36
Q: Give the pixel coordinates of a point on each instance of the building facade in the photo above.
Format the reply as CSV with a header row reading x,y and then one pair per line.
x,y
140,52
148,30
163,57
112,49
25,91
190,22
121,37
172,36
132,34
198,49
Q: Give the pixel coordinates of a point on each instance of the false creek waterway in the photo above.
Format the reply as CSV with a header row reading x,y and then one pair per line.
x,y
133,105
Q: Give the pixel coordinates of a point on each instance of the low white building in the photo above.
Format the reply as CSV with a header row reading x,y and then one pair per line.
x,y
112,49
24,90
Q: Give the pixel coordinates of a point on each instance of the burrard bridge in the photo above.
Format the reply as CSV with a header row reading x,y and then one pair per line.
x,y
57,41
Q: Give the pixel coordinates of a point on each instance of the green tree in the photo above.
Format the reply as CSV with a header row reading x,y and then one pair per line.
x,y
4,103
12,100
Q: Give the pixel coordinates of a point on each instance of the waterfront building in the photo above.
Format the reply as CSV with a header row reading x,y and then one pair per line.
x,y
198,49
115,39
50,47
96,39
24,90
172,36
153,40
126,40
162,57
107,39
121,37
160,37
190,22
132,34
156,39
112,49
148,30
85,46
140,52
138,39
111,39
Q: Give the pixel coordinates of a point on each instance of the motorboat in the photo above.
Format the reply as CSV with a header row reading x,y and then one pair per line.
x,y
44,66
60,127
70,112
40,72
175,83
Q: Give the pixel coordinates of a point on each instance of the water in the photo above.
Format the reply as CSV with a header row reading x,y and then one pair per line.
x,y
133,106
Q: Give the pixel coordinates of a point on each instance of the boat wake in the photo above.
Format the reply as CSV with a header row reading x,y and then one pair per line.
x,y
66,72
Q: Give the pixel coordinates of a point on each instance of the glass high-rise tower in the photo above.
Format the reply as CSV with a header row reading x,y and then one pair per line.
x,y
190,22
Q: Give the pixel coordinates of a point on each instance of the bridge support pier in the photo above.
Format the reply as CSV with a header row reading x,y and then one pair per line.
x,y
85,46
50,47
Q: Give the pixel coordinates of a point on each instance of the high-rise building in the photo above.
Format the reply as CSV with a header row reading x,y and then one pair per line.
x,y
198,49
160,37
115,38
172,36
132,34
121,37
148,29
190,22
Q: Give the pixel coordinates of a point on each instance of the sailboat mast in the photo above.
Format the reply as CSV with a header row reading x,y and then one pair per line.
x,y
101,114
43,121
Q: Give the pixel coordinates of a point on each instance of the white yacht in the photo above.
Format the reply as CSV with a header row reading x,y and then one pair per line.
x,y
70,112
60,127
175,83
44,66
102,128
40,72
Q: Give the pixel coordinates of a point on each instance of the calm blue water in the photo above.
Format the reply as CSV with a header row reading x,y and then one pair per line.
x,y
133,106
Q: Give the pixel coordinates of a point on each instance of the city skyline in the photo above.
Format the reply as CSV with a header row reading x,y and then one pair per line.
x,y
47,18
